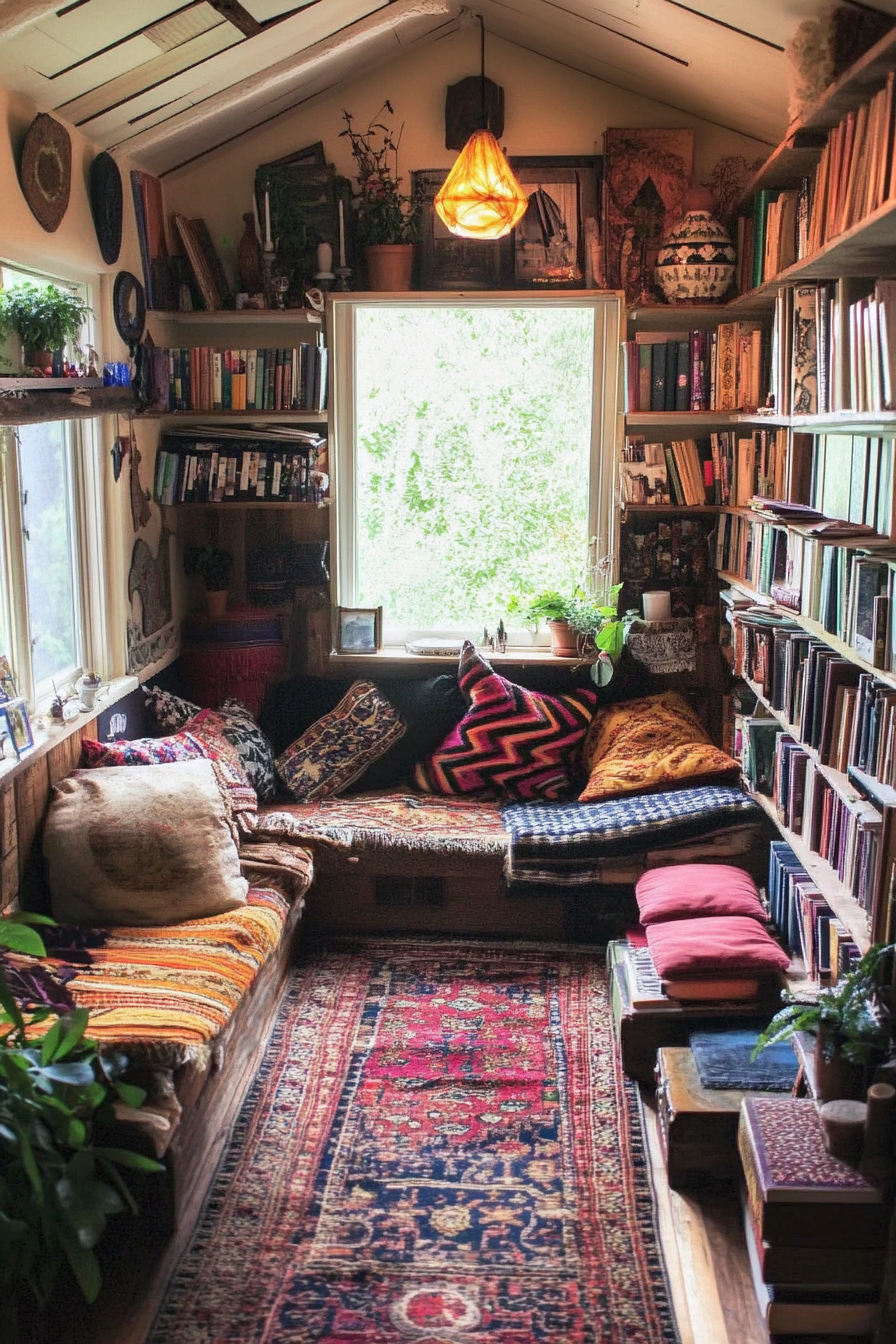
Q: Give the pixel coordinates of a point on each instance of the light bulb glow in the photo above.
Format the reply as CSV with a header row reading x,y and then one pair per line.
x,y
480,197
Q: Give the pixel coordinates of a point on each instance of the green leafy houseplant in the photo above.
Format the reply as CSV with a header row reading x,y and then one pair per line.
x,y
57,1186
384,213
594,618
43,319
852,1015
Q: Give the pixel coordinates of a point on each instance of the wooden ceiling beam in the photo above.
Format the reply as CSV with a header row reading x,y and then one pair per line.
x,y
234,13
279,79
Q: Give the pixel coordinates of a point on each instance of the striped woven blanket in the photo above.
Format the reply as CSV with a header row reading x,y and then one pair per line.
x,y
561,844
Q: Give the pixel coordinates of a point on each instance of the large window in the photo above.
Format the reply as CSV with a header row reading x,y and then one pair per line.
x,y
51,573
473,453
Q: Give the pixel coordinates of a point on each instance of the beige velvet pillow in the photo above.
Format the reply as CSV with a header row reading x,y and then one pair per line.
x,y
148,847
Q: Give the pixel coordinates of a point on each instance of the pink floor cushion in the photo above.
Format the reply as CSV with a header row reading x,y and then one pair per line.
x,y
719,945
692,890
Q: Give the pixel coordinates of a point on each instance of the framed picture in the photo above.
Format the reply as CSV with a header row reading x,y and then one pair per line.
x,y
358,629
451,263
557,243
18,725
7,680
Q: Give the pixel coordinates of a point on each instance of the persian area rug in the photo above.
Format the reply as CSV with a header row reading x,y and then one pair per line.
x,y
441,1148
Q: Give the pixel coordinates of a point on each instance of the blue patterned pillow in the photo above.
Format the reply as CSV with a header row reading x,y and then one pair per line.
x,y
337,749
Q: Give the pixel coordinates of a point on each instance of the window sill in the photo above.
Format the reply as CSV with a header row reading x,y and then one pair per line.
x,y
45,739
397,661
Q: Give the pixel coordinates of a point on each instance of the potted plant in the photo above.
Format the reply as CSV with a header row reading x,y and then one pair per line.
x,y
850,1023
214,567
580,623
388,219
57,1185
45,320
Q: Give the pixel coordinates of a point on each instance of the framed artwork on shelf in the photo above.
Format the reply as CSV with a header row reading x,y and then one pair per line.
x,y
646,175
557,243
358,629
450,263
18,725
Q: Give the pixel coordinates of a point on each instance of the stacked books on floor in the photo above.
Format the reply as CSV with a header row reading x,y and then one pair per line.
x,y
200,378
816,1228
279,464
726,369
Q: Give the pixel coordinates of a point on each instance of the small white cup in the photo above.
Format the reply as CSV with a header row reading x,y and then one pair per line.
x,y
657,606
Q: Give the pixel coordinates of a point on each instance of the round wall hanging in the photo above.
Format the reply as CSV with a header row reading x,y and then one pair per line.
x,y
46,170
129,308
106,205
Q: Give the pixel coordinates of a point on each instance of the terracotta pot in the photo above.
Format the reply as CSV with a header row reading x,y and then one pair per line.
x,y
564,640
39,359
216,601
389,267
836,1078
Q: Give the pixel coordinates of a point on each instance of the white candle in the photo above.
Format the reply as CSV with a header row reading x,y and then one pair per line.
x,y
341,238
255,213
267,222
657,606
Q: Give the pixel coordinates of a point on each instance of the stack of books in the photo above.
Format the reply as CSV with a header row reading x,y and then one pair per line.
x,y
199,378
223,470
816,1228
805,921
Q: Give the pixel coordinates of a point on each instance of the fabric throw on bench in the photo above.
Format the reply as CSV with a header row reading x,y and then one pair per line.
x,y
562,844
393,821
723,1060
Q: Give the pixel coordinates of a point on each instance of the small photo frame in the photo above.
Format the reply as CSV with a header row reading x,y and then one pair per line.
x,y
18,724
7,680
358,629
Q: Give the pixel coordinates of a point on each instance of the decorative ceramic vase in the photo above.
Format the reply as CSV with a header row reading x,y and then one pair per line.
x,y
696,260
389,266
835,1076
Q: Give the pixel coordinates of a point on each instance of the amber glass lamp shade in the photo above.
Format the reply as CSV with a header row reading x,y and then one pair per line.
x,y
480,197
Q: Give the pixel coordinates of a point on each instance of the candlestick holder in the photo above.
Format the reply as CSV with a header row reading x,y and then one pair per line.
x,y
268,257
342,279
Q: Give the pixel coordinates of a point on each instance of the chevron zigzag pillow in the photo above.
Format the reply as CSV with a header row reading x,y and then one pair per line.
x,y
511,743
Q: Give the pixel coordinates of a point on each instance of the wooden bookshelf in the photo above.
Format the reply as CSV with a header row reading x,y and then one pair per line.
x,y
235,505
29,407
267,417
241,317
691,420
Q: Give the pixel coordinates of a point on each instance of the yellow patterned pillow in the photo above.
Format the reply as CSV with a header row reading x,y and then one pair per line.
x,y
645,745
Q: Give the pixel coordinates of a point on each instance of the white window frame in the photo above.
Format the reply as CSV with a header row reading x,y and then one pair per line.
x,y
602,512
90,541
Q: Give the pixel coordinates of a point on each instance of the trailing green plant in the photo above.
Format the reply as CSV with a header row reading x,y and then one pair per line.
x,y
384,213
852,1014
43,318
57,1186
213,565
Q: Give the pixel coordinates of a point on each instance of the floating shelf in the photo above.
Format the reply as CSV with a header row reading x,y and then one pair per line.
x,y
28,408
223,317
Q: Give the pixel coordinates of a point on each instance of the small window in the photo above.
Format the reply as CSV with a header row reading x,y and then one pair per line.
x,y
51,545
474,448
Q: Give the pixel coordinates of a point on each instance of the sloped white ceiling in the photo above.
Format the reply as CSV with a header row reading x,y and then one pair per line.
x,y
167,81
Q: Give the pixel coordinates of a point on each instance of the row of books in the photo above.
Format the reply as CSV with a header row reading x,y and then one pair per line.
x,y
833,347
726,369
804,920
844,714
200,378
857,170
721,468
216,473
851,478
773,236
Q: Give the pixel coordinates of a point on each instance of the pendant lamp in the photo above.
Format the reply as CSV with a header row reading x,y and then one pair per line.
x,y
480,197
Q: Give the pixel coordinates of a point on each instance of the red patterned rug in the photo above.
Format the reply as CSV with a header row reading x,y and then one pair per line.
x,y
440,1148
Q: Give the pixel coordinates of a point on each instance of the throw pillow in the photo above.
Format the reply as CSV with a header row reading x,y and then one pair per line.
x,y
691,890
337,749
142,751
172,713
143,847
722,946
653,743
511,742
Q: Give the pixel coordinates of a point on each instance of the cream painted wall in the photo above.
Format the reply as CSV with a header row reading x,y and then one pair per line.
x,y
550,109
72,252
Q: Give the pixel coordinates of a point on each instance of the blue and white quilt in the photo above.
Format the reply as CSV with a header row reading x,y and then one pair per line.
x,y
562,844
